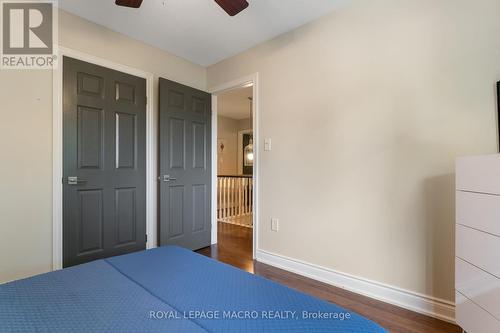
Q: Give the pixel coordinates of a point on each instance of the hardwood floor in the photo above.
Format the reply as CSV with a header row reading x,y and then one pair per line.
x,y
235,248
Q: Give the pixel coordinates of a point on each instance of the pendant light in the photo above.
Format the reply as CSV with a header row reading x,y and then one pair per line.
x,y
248,151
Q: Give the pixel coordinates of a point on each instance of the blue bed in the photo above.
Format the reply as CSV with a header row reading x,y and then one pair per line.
x,y
168,289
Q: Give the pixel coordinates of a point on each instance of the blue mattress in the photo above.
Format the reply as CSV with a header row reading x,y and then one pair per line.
x,y
168,289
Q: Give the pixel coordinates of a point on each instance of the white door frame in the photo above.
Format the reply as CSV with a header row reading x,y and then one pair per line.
x,y
57,149
250,80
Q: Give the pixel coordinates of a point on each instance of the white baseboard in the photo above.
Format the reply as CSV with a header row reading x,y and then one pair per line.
x,y
431,306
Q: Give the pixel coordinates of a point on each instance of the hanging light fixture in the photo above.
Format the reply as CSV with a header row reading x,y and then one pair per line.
x,y
248,151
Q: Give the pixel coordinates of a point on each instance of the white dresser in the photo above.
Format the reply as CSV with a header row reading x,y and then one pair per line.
x,y
477,272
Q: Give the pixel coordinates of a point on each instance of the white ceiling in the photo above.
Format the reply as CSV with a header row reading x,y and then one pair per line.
x,y
235,103
199,30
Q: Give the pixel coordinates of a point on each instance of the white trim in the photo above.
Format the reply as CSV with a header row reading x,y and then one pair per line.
x,y
246,81
427,305
240,151
214,172
57,130
57,145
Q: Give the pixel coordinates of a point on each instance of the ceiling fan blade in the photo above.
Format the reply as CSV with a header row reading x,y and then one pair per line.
x,y
129,3
232,7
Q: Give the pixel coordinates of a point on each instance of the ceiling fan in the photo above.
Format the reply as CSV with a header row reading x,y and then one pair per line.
x,y
232,7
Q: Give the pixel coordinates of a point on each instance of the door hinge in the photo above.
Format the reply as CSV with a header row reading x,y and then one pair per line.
x,y
146,238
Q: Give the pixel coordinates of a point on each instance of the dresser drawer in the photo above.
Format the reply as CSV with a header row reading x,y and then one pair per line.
x,y
478,286
478,248
478,173
472,318
479,211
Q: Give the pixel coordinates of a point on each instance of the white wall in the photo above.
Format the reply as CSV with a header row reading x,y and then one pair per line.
x,y
26,139
367,109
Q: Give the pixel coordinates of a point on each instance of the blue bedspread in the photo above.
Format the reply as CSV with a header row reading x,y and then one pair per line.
x,y
168,289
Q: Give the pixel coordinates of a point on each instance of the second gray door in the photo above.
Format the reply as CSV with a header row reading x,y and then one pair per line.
x,y
185,166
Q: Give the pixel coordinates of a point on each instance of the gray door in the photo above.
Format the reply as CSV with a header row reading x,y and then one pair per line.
x,y
104,157
185,166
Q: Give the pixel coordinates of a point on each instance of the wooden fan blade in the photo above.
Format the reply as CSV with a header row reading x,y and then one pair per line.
x,y
232,7
129,3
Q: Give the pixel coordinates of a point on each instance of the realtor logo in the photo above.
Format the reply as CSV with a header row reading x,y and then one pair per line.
x,y
28,34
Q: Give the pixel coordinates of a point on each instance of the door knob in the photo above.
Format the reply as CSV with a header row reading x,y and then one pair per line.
x,y
167,178
75,181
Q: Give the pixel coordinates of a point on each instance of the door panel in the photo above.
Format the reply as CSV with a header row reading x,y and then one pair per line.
x,y
177,143
124,92
176,211
89,137
90,221
125,212
199,209
185,174
126,138
91,85
199,146
104,146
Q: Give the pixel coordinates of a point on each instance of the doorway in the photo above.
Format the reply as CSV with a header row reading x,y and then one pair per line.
x,y
235,157
235,163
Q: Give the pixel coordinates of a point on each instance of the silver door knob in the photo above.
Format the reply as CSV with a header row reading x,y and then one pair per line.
x,y
75,181
167,178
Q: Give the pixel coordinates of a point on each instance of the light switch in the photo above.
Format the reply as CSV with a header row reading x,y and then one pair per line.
x,y
275,224
267,145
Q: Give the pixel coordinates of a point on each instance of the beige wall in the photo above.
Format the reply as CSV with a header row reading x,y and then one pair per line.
x,y
379,98
26,139
26,173
244,124
227,129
